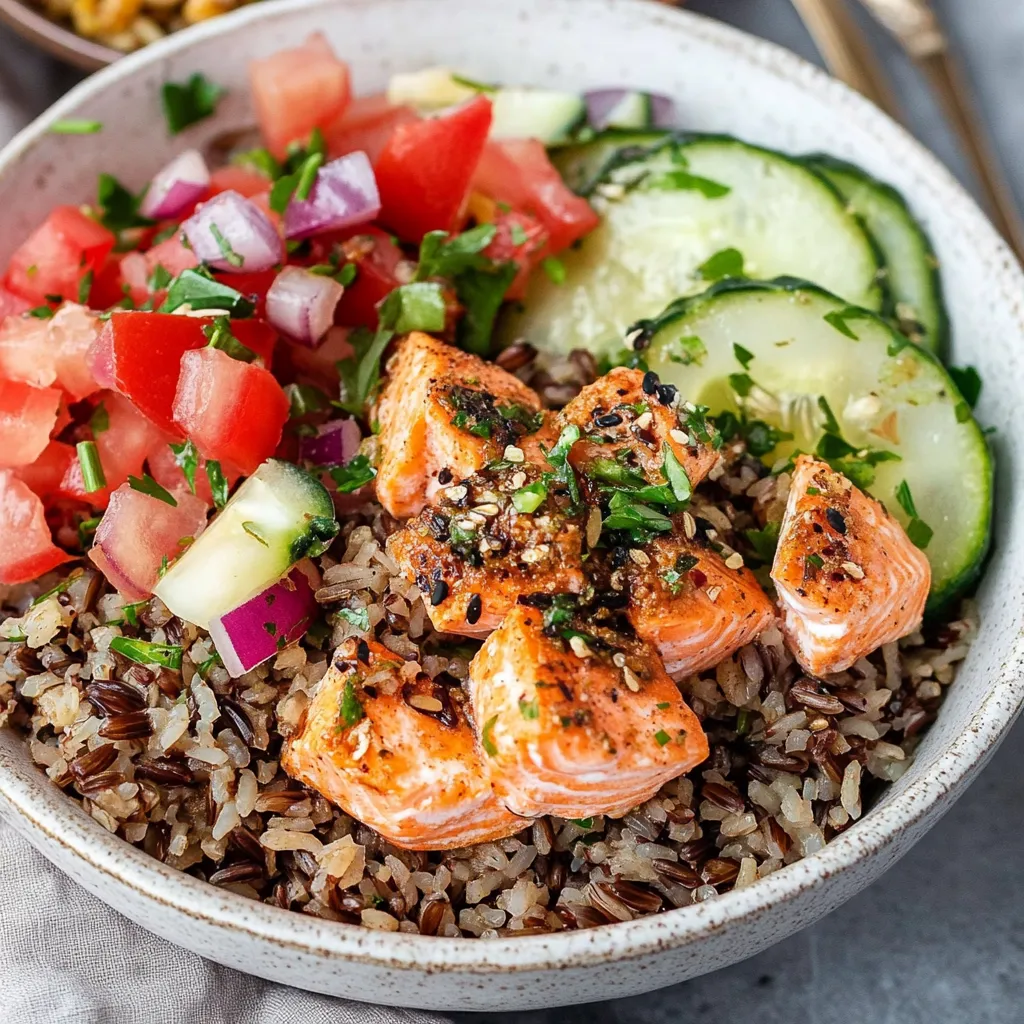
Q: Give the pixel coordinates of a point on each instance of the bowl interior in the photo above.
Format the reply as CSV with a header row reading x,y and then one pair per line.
x,y
56,39
722,81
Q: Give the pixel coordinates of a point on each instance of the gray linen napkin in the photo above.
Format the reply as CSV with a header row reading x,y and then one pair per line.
x,y
65,957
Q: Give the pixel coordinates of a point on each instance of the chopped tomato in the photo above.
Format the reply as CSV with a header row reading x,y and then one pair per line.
x,y
164,469
11,304
172,255
234,412
426,168
136,269
253,284
57,256
366,126
72,333
297,90
140,355
243,180
320,364
107,287
139,534
519,173
42,352
27,416
25,352
46,475
522,240
26,546
257,336
376,258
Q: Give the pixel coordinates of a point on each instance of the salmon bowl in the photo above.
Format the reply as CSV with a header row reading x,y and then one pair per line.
x,y
495,682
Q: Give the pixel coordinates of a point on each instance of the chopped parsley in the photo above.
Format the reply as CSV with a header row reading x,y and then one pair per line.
x,y
689,350
558,459
840,320
358,617
529,709
218,483
555,269
530,498
641,521
676,476
857,464
360,372
356,473
679,179
304,399
764,541
743,355
145,653
197,289
559,612
486,737
584,823
147,485
85,288
219,335
673,577
188,103
441,256
73,126
816,560
968,383
187,457
41,312
919,532
118,207
725,263
350,708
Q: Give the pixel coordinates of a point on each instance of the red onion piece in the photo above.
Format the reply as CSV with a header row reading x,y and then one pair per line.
x,y
343,195
602,104
100,358
336,443
230,233
181,184
301,305
258,628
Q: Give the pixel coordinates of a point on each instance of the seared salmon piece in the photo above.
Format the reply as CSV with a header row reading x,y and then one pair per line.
x,y
575,718
444,414
691,606
401,758
848,577
504,532
628,419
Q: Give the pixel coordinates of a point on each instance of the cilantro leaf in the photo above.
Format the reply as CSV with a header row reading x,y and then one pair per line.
x,y
418,306
219,336
197,289
725,263
360,372
764,541
481,293
968,383
350,707
218,483
147,485
187,457
839,319
441,256
354,474
906,499
118,208
676,476
188,103
682,180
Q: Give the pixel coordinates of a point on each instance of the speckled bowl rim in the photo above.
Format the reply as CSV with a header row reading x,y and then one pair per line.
x,y
48,812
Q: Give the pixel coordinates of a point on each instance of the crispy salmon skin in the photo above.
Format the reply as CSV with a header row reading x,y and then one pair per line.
x,y
399,756
576,723
847,576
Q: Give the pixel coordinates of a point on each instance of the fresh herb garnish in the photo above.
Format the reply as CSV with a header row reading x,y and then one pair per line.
x,y
145,653
444,256
85,288
73,126
662,737
418,306
218,483
486,737
99,421
356,473
118,207
725,263
350,708
188,103
555,269
159,279
558,459
641,521
816,560
673,577
858,464
360,372
219,336
676,476
682,180
743,355
840,320
41,312
529,709
559,612
147,485
358,617
197,289
530,498
764,541
187,457
93,477
304,399
130,613
919,532
86,529
968,383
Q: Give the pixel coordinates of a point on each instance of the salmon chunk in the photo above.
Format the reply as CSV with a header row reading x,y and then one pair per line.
x,y
499,534
577,719
444,414
628,420
691,606
398,756
848,577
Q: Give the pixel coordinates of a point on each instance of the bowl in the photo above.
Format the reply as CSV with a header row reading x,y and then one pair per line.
x,y
723,81
56,39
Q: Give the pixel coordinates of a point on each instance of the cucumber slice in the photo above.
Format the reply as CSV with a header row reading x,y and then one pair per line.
x,y
581,165
798,344
667,208
912,269
278,516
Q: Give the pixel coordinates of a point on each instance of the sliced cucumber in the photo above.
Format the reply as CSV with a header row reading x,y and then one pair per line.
x,y
912,269
667,208
544,114
581,165
799,344
279,515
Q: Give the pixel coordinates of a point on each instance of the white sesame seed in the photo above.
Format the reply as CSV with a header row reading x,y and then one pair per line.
x,y
630,679
518,479
712,534
713,593
467,524
422,702
689,407
689,526
456,493
476,518
532,555
593,526
514,454
487,496
679,436
643,421
489,509
854,570
619,659
734,561
639,557
579,647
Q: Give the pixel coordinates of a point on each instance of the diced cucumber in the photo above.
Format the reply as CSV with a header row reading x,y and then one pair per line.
x,y
544,114
789,344
634,110
912,269
279,515
667,208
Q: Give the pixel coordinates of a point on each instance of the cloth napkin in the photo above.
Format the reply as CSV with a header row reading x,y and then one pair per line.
x,y
67,958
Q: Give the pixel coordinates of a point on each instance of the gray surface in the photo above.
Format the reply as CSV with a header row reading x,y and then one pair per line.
x,y
941,938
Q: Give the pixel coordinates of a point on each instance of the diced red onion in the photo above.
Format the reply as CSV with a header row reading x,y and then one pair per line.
x,y
230,233
258,628
181,184
301,305
335,444
343,195
602,103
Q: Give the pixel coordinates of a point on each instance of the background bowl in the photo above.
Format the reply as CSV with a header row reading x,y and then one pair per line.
x,y
56,39
723,81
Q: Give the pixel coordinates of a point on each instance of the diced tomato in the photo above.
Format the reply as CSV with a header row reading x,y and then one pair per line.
x,y
27,416
25,353
366,126
376,258
172,255
297,90
522,240
243,180
107,287
426,168
258,336
72,333
234,412
136,269
164,469
253,284
142,352
138,534
519,173
42,352
320,364
46,475
11,304
26,546
58,255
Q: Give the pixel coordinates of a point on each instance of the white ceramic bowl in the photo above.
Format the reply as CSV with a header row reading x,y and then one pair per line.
x,y
723,81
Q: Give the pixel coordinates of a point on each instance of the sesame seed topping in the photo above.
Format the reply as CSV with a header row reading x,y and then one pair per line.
x,y
689,526
630,679
611,190
456,493
579,647
593,526
422,702
619,659
438,593
488,509
475,518
854,570
734,561
643,421
532,555
518,479
514,454
713,593
639,557
679,436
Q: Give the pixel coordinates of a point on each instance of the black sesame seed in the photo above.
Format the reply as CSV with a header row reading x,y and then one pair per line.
x,y
611,419
650,384
473,609
363,652
620,556
438,593
445,476
835,520
566,692
667,393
